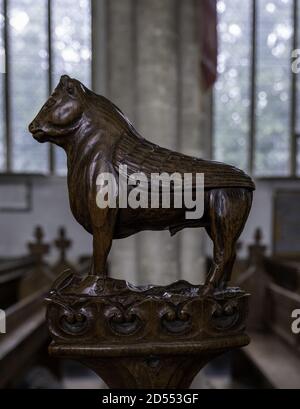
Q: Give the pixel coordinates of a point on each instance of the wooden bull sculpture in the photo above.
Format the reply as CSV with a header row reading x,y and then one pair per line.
x,y
97,138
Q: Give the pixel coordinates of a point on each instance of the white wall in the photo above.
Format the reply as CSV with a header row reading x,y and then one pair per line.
x,y
262,210
50,209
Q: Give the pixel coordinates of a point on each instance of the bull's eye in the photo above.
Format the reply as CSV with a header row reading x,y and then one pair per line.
x,y
70,90
50,103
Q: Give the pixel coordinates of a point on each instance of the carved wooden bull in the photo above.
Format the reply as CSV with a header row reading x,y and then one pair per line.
x,y
97,138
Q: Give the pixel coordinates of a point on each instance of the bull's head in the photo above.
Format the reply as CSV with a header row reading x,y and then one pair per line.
x,y
61,115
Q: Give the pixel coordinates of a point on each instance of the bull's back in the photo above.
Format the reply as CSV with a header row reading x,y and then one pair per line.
x,y
141,155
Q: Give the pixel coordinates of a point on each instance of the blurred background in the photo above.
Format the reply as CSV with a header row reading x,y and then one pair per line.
x,y
208,78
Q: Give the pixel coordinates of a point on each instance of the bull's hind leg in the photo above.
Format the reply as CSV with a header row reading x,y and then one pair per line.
x,y
102,241
228,211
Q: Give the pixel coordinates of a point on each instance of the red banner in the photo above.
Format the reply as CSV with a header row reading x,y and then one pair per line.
x,y
207,29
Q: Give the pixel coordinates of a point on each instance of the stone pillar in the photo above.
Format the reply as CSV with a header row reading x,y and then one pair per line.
x,y
151,71
157,110
120,89
99,42
191,131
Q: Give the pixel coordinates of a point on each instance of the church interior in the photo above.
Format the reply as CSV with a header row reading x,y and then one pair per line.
x,y
214,79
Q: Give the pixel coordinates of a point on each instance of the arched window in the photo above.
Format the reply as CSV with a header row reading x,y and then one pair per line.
x,y
256,110
39,41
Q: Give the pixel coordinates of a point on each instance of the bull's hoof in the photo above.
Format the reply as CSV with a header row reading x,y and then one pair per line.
x,y
208,289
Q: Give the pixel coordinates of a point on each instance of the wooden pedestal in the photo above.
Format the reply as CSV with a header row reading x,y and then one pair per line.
x,y
151,337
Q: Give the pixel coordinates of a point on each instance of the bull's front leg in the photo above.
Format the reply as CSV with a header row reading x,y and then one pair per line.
x,y
102,241
103,223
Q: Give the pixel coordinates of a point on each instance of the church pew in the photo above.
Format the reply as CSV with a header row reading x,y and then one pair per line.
x,y
284,272
26,333
11,273
15,273
278,320
25,344
267,362
275,352
273,355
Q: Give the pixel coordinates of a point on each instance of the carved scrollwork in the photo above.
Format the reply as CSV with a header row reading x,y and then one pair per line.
x,y
68,319
146,337
175,319
225,316
122,321
74,322
143,315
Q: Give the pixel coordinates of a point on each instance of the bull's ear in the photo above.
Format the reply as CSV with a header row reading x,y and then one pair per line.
x,y
64,79
70,87
68,84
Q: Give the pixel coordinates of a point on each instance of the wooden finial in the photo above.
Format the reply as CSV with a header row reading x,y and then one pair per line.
x,y
239,246
258,236
62,243
38,248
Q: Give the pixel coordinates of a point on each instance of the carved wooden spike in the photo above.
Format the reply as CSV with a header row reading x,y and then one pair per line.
x,y
40,275
62,243
38,248
258,236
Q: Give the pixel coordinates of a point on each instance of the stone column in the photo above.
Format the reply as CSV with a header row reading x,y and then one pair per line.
x,y
192,131
99,41
120,89
148,53
157,110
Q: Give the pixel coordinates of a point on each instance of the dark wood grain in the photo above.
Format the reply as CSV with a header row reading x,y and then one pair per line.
x,y
143,337
97,138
